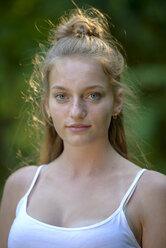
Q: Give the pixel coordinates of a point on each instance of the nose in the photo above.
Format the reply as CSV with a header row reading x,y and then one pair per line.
x,y
78,110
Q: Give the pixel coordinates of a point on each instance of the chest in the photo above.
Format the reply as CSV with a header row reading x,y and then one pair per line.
x,y
80,205
73,204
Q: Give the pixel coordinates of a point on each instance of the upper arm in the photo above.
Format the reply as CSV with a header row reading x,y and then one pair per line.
x,y
15,187
154,211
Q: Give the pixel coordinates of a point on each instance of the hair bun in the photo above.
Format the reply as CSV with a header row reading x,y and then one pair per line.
x,y
83,28
79,27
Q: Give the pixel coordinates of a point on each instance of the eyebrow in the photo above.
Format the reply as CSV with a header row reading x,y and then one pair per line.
x,y
87,88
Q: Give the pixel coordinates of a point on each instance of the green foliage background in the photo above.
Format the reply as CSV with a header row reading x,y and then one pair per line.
x,y
139,25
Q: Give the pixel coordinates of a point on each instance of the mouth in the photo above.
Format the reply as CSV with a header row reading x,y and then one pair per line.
x,y
78,127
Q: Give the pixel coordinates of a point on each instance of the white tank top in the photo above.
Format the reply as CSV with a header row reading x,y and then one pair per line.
x,y
113,232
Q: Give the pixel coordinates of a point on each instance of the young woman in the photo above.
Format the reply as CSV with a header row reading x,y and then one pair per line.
x,y
87,194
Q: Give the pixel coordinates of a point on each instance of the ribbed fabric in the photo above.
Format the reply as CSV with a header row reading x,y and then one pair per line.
x,y
113,232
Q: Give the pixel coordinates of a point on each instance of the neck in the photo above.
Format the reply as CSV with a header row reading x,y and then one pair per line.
x,y
88,160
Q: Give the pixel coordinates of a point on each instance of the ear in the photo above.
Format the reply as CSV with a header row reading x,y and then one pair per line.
x,y
118,102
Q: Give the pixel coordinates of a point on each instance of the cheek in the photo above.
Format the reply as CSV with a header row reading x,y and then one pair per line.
x,y
56,110
58,113
58,121
103,114
58,117
107,108
106,117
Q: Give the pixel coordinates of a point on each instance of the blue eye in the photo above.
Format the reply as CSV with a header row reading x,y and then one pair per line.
x,y
95,96
60,97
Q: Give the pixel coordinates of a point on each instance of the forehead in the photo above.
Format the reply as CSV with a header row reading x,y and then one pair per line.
x,y
77,72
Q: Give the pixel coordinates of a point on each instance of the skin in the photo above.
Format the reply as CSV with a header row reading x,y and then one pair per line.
x,y
88,99
89,172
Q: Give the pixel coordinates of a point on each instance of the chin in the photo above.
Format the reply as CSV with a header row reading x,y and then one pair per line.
x,y
80,141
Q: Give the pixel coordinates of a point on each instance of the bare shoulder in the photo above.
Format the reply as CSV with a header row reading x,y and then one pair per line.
x,y
153,182
15,187
22,175
20,180
152,208
152,190
17,184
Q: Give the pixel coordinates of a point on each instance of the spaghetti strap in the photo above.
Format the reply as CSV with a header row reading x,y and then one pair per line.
x,y
131,189
34,180
22,200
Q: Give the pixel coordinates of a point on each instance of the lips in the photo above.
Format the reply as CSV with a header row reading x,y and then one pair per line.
x,y
78,127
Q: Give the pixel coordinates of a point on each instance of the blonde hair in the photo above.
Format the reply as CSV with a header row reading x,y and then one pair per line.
x,y
82,33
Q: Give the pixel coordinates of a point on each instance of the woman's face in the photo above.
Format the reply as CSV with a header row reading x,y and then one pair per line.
x,y
80,101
